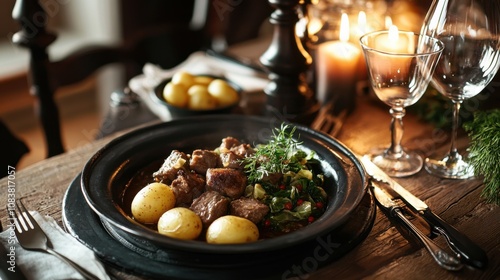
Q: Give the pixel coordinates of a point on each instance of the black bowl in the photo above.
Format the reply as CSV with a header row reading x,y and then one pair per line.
x,y
106,174
176,112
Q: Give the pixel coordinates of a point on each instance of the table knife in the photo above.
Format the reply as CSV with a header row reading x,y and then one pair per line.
x,y
444,259
469,252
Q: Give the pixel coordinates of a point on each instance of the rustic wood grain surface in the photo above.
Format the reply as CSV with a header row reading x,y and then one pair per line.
x,y
385,253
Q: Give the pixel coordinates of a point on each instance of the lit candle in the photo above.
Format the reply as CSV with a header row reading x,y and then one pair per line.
x,y
388,21
362,29
395,43
337,66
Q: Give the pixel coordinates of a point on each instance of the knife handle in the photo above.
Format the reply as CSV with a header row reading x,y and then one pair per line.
x,y
471,253
445,260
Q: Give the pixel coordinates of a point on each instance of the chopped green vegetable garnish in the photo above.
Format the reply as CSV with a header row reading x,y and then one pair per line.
x,y
286,178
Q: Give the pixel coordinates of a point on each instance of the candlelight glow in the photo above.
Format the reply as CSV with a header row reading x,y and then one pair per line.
x,y
314,26
393,34
362,22
395,42
388,21
344,28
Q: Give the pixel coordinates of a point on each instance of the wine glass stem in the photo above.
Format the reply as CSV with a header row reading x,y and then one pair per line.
x,y
396,130
453,155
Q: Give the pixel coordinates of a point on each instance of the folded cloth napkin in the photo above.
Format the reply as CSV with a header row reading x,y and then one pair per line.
x,y
197,63
39,265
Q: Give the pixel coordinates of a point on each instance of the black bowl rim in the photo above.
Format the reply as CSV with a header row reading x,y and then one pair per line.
x,y
157,93
310,232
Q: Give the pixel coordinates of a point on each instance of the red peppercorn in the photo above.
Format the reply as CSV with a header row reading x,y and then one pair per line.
x,y
299,187
267,223
319,205
310,219
282,187
288,206
300,201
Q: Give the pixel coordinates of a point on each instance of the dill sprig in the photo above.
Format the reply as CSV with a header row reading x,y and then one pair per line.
x,y
274,156
484,155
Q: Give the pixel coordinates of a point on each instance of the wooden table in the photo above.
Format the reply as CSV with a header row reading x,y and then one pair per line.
x,y
385,253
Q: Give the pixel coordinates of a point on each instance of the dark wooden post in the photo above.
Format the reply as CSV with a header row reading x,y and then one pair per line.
x,y
35,38
288,93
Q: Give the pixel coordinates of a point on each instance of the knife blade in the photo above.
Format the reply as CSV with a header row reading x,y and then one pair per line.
x,y
469,252
444,259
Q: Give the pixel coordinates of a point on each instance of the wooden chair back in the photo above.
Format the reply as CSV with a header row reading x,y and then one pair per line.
x,y
143,36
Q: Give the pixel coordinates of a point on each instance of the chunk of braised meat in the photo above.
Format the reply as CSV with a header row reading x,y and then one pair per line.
x,y
249,208
243,150
210,206
229,142
173,163
227,181
273,178
233,157
231,160
187,186
201,160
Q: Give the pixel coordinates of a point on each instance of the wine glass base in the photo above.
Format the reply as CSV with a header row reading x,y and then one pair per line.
x,y
397,165
445,168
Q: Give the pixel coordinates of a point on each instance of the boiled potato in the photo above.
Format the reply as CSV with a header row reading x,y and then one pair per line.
x,y
180,223
183,78
186,90
176,94
151,202
232,229
202,80
200,99
223,92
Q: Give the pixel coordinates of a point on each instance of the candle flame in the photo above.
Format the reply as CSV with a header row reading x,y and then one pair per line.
x,y
344,28
362,22
393,33
388,21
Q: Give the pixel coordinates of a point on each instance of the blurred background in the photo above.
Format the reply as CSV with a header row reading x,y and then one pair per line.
x,y
79,23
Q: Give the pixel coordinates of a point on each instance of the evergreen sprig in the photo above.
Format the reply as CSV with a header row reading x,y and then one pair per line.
x,y
436,109
431,108
484,153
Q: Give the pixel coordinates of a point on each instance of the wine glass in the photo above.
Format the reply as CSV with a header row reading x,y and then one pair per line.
x,y
470,31
400,66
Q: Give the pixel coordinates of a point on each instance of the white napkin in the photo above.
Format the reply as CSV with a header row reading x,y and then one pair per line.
x,y
196,63
40,265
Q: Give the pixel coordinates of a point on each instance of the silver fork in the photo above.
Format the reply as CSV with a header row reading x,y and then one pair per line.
x,y
326,122
31,237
